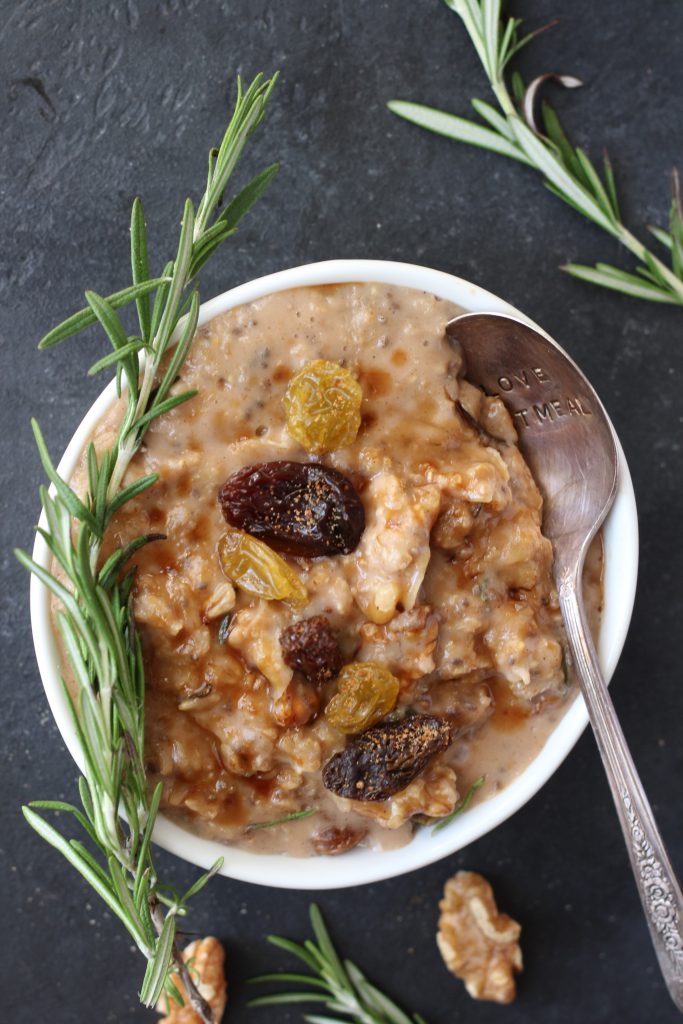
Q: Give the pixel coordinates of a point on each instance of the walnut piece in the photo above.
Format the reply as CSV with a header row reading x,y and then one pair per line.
x,y
468,701
405,644
205,959
478,944
221,601
434,793
389,564
255,634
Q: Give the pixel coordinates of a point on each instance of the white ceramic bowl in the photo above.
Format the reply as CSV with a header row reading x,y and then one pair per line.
x,y
360,866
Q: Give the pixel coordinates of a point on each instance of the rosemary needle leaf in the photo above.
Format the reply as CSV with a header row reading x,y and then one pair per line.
x,y
204,252
611,185
288,997
142,859
315,1018
636,288
245,199
224,628
325,945
496,120
375,999
179,353
462,806
158,966
118,558
202,880
85,317
117,356
295,949
140,264
294,816
284,976
60,805
89,859
143,483
74,505
162,407
556,134
456,128
593,180
114,330
179,277
160,299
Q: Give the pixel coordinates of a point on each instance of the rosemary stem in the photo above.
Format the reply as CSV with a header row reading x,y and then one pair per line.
x,y
125,454
110,819
130,446
503,97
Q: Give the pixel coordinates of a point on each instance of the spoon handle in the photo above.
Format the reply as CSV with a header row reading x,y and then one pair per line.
x,y
659,890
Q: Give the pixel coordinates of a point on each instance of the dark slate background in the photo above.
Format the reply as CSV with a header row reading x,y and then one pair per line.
x,y
102,101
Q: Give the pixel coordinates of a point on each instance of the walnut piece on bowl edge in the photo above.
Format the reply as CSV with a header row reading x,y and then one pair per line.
x,y
479,945
205,959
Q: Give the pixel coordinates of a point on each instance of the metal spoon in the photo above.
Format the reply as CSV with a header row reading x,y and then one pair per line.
x,y
569,445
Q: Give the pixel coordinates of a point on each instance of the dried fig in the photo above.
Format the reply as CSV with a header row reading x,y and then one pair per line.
x,y
386,758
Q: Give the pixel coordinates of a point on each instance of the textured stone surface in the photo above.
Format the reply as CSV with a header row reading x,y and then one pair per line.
x,y
100,101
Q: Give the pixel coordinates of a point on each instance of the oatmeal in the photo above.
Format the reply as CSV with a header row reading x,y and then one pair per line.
x,y
350,614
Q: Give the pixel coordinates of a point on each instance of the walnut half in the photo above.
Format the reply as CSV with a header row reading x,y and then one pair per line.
x,y
205,959
478,944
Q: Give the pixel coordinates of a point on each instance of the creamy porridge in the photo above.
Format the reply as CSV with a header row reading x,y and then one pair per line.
x,y
370,685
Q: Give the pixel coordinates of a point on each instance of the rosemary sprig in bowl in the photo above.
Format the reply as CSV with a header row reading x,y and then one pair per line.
x,y
510,130
94,615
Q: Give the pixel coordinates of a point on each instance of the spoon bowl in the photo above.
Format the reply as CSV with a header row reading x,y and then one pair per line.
x,y
569,446
564,433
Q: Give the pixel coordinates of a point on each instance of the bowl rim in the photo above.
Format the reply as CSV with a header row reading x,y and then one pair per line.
x,y
360,866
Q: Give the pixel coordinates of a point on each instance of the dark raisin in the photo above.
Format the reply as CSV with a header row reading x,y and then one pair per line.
x,y
333,840
311,647
385,759
298,508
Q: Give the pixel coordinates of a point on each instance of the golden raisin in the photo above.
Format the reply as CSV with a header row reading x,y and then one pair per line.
x,y
322,405
366,693
253,566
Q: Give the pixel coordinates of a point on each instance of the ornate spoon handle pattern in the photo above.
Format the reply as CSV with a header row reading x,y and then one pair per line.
x,y
659,891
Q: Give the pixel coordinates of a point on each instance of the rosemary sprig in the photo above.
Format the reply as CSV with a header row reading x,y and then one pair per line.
x,y
95,615
568,171
339,985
